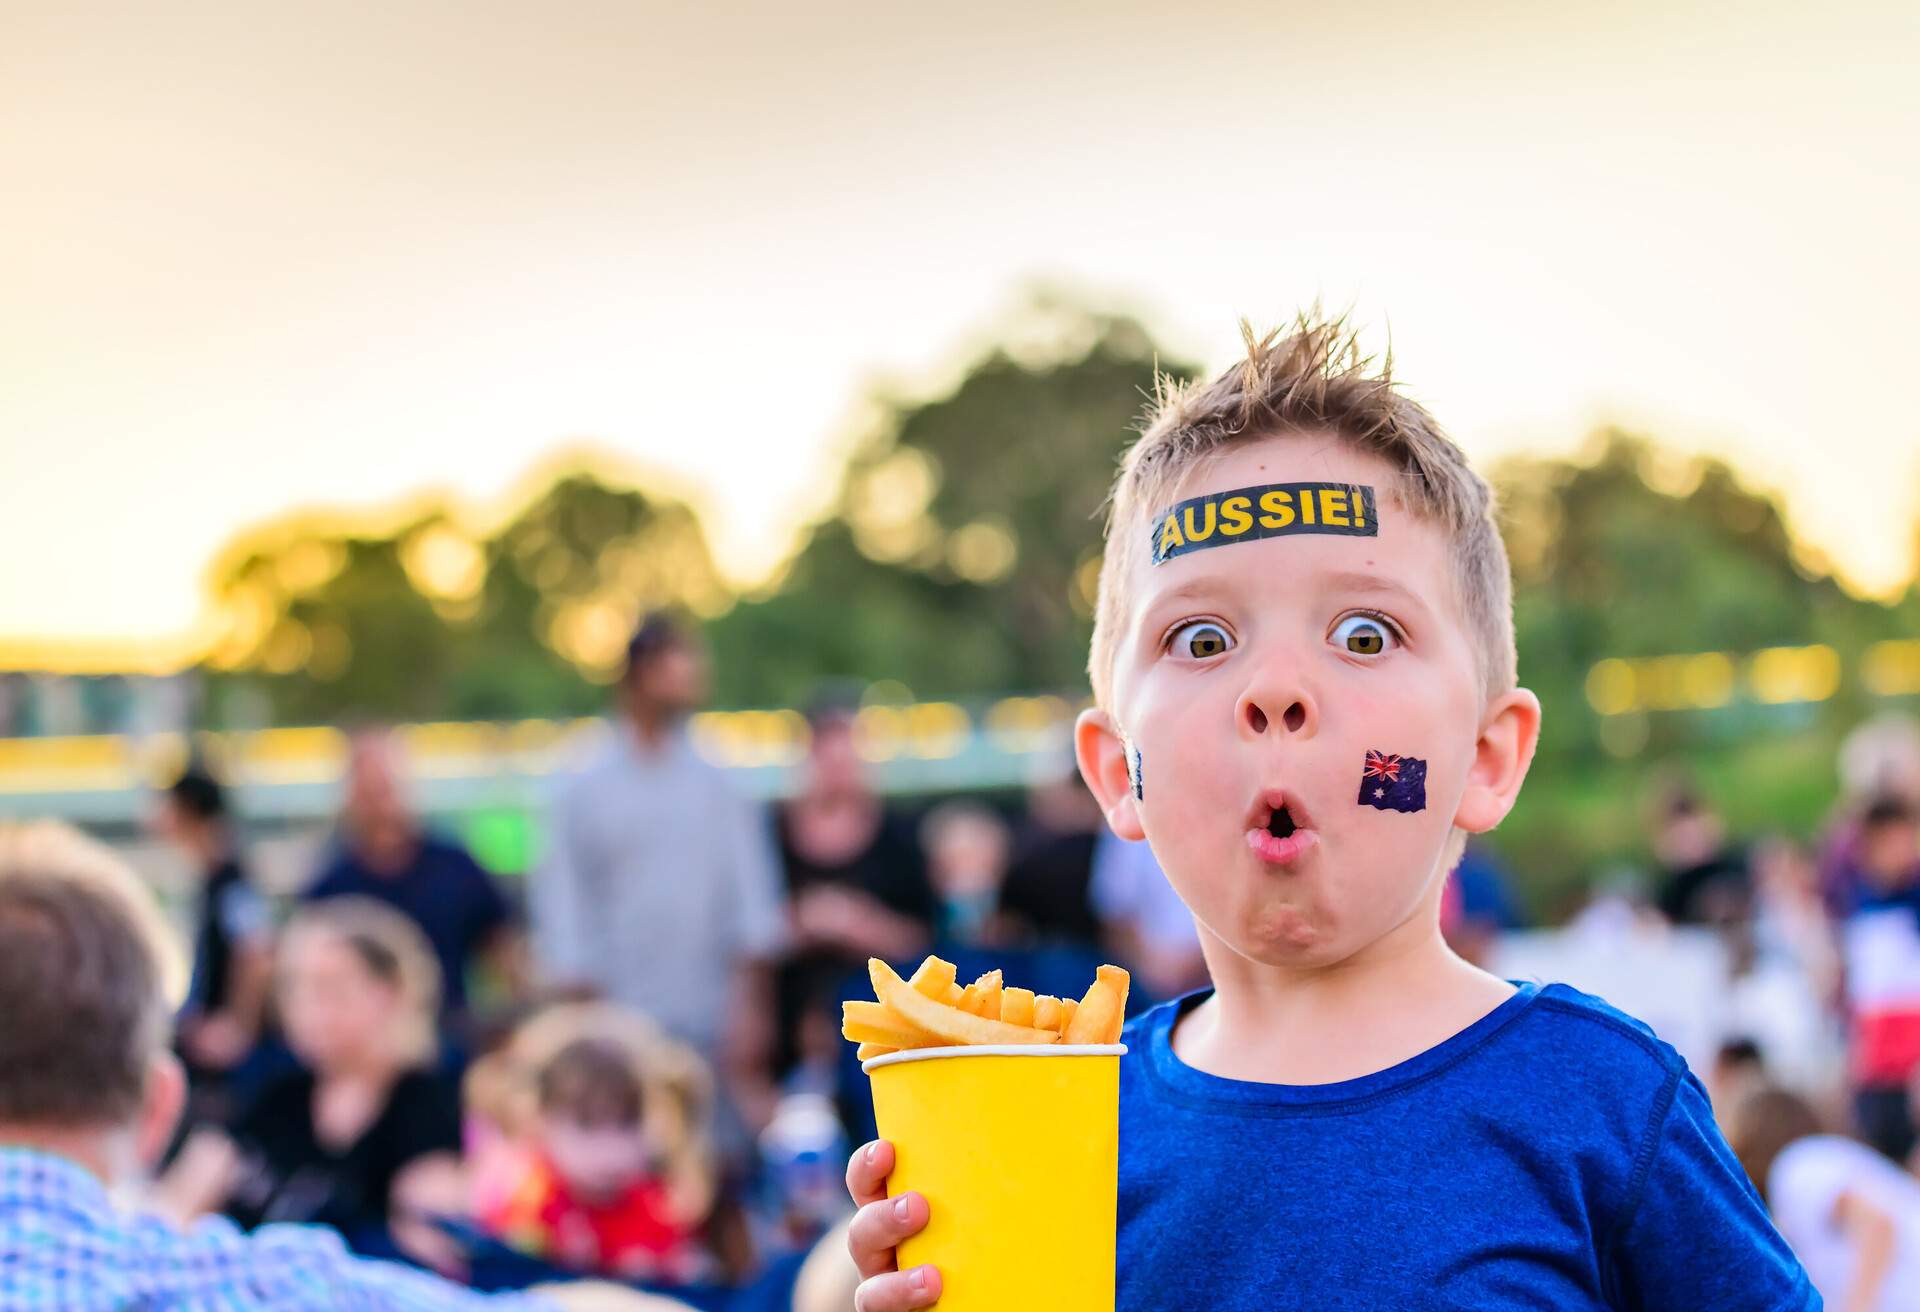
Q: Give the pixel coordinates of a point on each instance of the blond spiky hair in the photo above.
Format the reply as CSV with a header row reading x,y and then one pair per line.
x,y
1310,377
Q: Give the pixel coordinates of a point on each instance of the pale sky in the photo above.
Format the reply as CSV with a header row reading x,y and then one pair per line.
x,y
254,258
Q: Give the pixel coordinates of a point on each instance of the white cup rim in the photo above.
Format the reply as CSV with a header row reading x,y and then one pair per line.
x,y
997,1050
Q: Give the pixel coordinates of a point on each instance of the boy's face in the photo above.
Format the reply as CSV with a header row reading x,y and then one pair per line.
x,y
1255,677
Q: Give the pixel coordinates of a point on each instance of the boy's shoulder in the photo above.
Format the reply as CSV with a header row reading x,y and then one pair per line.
x,y
1555,1037
1588,1026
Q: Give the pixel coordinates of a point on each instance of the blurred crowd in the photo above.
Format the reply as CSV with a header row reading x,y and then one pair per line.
x,y
631,1066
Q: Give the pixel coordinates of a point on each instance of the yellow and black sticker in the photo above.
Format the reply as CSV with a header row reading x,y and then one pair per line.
x,y
1275,511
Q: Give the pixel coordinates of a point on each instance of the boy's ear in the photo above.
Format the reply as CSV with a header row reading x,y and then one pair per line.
x,y
1508,735
1102,753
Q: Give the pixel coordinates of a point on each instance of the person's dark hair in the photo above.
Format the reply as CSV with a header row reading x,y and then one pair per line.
x,y
1885,811
1741,1052
831,705
592,1081
1681,804
1761,1126
198,794
658,631
88,977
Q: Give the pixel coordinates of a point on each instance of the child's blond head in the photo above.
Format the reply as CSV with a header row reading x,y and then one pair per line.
x,y
1313,380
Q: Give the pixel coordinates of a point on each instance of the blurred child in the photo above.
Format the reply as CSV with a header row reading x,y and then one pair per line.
x,y
967,848
1882,948
601,1165
1852,1217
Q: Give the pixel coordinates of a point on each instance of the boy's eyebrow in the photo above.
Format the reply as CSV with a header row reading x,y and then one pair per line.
x,y
1355,581
1194,589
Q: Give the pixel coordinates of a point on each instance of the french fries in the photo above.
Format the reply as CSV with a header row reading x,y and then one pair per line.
x,y
1102,1010
869,1022
932,1009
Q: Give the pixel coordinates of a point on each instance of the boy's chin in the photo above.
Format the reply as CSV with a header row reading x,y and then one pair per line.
x,y
1289,938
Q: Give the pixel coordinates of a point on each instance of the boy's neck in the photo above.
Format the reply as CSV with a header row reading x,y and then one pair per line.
x,y
1386,1004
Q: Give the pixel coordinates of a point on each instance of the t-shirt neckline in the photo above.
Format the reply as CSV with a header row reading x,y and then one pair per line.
x,y
1194,1085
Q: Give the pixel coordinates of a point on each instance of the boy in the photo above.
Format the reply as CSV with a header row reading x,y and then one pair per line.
x,y
1304,677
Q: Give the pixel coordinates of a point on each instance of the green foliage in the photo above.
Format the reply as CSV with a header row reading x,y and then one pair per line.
x,y
427,621
1638,552
962,553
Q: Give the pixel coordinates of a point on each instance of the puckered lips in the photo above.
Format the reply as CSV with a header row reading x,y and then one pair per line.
x,y
1278,828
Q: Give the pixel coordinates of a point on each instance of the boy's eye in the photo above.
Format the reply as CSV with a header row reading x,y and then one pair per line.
x,y
1362,635
1201,640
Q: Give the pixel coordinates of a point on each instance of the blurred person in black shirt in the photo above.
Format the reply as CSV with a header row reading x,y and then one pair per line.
x,y
365,1137
220,1022
856,885
1049,887
1703,879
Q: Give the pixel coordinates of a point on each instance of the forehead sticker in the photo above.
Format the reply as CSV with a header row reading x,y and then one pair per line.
x,y
1275,510
1393,783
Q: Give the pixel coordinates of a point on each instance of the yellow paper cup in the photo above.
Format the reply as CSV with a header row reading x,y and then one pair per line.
x,y
1017,1150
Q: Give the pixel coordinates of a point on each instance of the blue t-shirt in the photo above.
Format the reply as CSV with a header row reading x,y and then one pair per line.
x,y
1554,1154
443,890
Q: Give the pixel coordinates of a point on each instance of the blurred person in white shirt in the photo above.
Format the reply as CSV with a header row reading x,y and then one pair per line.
x,y
1851,1216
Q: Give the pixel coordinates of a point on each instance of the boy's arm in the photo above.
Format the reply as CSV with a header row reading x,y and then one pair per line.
x,y
877,1228
1695,1233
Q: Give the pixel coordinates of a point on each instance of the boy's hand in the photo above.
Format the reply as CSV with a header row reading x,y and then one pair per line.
x,y
879,1225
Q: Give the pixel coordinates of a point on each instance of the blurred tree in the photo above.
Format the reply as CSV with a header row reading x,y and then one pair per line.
x,y
1633,551
962,552
431,621
1636,551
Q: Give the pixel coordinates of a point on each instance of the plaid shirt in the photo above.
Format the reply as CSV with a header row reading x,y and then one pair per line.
x,y
63,1245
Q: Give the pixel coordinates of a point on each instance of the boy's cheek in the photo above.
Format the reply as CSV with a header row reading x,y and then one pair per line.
x,y
1180,757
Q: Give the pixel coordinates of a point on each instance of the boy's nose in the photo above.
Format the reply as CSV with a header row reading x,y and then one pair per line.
x,y
1290,712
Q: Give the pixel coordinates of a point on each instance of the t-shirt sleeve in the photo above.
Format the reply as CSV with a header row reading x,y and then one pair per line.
x,y
1696,1234
487,909
245,916
324,884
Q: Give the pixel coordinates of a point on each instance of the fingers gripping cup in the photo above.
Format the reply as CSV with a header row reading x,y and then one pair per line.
x,y
1004,1110
1017,1152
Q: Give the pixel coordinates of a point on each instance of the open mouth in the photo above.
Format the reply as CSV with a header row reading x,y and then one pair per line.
x,y
1278,830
